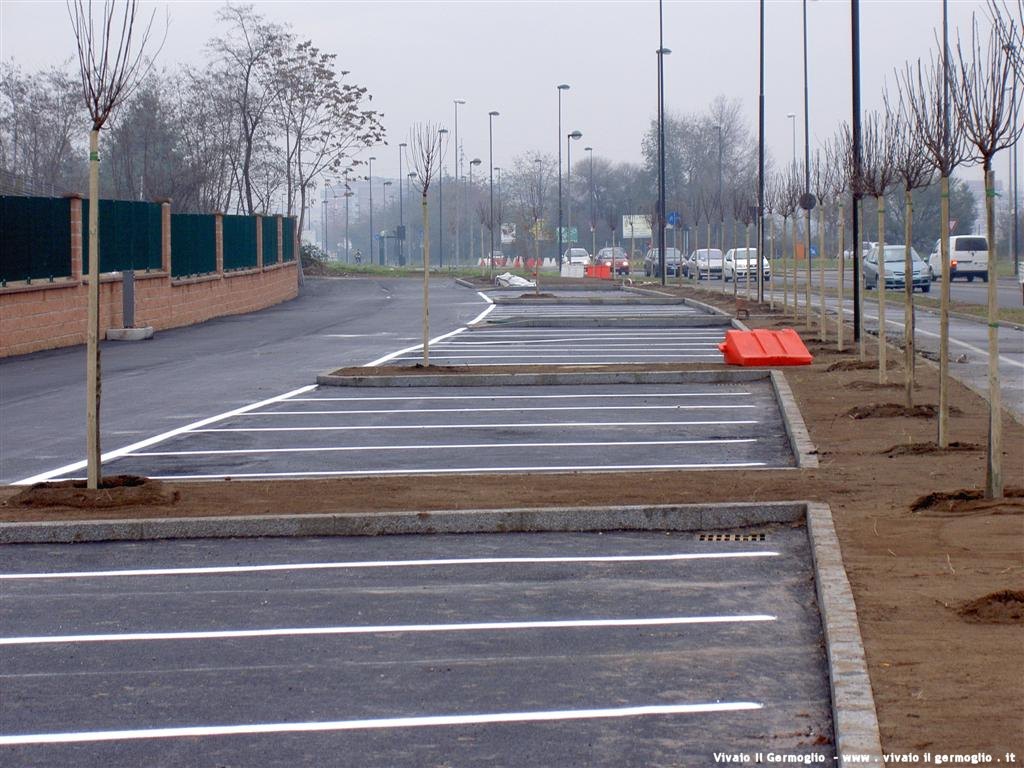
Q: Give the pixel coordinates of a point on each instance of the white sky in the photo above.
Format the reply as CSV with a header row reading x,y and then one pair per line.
x,y
416,57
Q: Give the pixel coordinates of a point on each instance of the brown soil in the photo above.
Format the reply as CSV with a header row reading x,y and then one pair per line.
x,y
860,365
536,296
1004,607
114,491
874,385
917,449
968,500
891,410
941,683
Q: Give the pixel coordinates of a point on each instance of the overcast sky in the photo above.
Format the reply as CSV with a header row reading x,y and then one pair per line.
x,y
417,57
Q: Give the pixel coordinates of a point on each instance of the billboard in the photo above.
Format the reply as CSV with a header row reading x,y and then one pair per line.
x,y
636,225
508,233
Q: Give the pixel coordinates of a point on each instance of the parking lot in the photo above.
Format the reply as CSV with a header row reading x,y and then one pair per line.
x,y
497,345
342,431
613,649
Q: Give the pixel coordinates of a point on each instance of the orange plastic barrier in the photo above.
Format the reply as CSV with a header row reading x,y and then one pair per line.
x,y
600,271
763,347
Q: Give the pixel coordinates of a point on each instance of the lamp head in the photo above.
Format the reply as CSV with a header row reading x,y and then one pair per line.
x,y
493,113
563,87
588,149
575,135
475,161
460,101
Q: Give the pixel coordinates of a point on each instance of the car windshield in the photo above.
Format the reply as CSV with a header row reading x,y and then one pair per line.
x,y
746,253
971,244
896,254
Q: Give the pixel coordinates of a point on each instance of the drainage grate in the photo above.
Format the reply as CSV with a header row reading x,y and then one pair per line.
x,y
731,537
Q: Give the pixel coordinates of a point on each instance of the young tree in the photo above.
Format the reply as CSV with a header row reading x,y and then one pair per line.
x,y
985,100
880,136
925,89
835,154
914,170
426,149
111,63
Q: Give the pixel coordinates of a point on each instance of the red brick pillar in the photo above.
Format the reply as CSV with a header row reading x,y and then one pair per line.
x,y
76,236
259,241
165,236
280,238
218,239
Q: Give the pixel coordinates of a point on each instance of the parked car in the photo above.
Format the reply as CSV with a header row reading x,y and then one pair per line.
x,y
968,258
497,258
614,257
741,263
576,256
704,263
895,269
652,262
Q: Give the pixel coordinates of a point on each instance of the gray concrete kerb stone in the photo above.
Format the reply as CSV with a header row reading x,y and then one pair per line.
x,y
796,429
710,376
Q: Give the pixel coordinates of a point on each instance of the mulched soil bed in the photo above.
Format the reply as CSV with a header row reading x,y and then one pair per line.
x,y
1005,607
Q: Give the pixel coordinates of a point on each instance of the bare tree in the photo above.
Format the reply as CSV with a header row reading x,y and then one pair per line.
x,y
788,184
426,149
823,183
914,170
111,63
985,100
835,157
924,88
881,133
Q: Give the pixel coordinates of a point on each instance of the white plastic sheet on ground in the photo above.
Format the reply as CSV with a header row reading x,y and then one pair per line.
x,y
508,280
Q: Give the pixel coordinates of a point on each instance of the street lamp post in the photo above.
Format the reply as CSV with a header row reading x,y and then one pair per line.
x,y
593,224
458,179
324,217
441,134
401,212
490,164
662,52
370,179
792,118
569,138
721,200
562,87
348,243
501,212
808,202
411,176
472,163
384,257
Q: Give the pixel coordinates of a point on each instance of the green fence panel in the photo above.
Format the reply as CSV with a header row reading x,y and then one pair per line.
x,y
239,242
35,238
269,240
129,236
288,248
193,244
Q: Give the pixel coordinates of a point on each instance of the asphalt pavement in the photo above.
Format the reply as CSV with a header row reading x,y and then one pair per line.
x,y
614,649
186,374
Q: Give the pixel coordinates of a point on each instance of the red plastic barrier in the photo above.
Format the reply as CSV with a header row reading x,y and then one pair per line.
x,y
763,347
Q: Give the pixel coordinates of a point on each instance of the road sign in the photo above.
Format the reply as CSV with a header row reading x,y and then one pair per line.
x,y
636,226
808,201
570,234
673,218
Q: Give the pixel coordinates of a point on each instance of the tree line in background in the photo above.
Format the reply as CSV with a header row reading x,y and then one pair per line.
x,y
252,129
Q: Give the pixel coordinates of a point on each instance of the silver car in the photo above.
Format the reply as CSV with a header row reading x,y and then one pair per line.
x,y
895,269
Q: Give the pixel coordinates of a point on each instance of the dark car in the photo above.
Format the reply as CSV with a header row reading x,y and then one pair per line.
x,y
614,257
652,262
895,269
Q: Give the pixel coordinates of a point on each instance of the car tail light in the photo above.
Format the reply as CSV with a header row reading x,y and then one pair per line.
x,y
952,263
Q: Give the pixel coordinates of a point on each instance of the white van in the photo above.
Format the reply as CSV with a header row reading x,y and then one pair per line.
x,y
968,258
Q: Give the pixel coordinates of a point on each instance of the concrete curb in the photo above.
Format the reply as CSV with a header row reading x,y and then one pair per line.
x,y
720,376
854,719
855,722
617,300
465,283
130,334
636,321
796,428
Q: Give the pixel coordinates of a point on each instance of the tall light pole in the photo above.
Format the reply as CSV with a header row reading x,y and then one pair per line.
x,y
662,52
411,176
472,163
348,243
721,200
569,138
458,179
401,213
792,118
324,222
760,165
593,224
384,254
370,179
441,135
562,87
501,212
490,164
857,167
808,201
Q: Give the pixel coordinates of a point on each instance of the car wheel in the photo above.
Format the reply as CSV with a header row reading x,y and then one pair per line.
x,y
926,289
970,278
984,277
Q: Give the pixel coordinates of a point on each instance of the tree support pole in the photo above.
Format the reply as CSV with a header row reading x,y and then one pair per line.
x,y
92,401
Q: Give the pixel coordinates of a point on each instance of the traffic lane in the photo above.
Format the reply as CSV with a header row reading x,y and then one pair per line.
x,y
611,427
467,672
186,374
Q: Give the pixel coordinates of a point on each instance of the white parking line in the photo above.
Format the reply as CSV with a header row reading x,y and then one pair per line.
x,y
161,437
360,564
393,355
532,356
484,626
597,396
376,723
482,315
459,470
539,425
456,446
521,409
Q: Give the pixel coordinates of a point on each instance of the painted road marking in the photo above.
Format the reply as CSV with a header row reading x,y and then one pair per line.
x,y
49,475
523,409
359,564
376,723
393,355
454,446
539,425
483,626
598,396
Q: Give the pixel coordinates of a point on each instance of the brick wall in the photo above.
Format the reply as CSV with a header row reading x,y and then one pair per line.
x,y
50,315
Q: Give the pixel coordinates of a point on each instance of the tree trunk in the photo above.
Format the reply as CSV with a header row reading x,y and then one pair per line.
x,y
943,437
994,466
859,277
426,282
822,333
785,274
93,375
746,236
536,259
772,261
809,309
883,374
840,314
908,299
